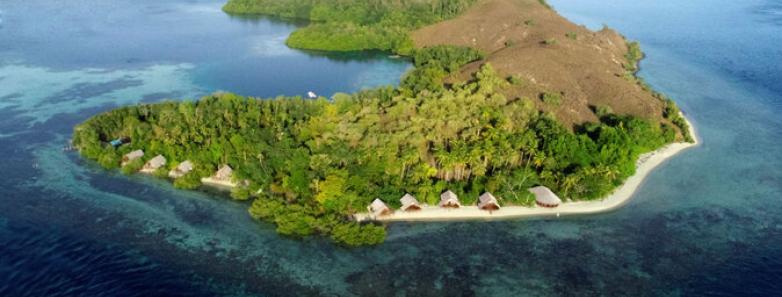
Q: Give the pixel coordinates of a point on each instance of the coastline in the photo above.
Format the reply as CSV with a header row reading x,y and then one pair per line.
x,y
646,164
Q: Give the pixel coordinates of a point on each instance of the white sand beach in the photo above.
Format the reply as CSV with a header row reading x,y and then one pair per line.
x,y
646,163
220,184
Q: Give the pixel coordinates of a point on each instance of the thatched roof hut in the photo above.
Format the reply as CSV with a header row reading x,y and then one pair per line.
x,y
182,169
155,163
225,173
449,199
409,203
134,155
545,197
487,201
379,208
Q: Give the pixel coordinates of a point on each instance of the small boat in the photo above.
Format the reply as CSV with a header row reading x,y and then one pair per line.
x,y
312,95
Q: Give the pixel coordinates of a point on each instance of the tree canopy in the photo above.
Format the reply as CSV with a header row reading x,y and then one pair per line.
x,y
351,25
312,163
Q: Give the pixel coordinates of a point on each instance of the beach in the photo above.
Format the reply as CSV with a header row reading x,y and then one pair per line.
x,y
646,164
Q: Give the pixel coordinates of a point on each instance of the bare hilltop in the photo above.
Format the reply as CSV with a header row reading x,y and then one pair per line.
x,y
550,55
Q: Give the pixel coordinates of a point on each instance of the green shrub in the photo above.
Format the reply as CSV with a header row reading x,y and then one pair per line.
x,y
189,181
603,110
133,166
515,80
551,98
633,56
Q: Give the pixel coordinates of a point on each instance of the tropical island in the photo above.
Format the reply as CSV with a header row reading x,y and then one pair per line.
x,y
505,96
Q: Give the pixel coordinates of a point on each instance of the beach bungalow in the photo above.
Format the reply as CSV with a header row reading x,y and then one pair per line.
x,y
378,208
225,173
488,202
180,171
132,156
409,203
154,163
449,200
544,197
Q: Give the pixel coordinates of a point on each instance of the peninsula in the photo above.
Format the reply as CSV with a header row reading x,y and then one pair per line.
x,y
505,96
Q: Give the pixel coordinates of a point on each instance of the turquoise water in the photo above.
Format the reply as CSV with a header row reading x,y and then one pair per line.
x,y
706,223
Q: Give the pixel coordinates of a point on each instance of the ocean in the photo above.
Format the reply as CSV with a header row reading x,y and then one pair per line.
x,y
706,223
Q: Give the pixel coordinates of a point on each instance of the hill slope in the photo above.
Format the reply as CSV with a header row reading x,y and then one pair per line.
x,y
550,55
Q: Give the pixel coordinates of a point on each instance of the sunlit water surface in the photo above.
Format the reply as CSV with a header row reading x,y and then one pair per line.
x,y
706,223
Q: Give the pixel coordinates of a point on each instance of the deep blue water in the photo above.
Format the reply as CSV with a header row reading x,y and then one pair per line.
x,y
707,223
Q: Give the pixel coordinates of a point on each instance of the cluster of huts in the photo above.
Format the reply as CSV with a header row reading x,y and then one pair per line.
x,y
223,174
544,197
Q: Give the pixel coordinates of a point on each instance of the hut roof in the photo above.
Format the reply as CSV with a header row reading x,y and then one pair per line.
x,y
185,167
487,199
133,155
224,173
156,162
449,198
378,207
545,196
408,200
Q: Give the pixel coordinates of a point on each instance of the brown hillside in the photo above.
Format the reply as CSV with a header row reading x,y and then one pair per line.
x,y
587,70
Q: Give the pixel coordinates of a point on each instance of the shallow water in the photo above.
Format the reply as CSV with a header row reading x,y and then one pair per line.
x,y
705,223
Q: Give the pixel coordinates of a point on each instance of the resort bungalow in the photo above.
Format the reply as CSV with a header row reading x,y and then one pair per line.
x,y
132,156
224,174
449,200
488,202
545,197
378,208
409,203
154,164
180,171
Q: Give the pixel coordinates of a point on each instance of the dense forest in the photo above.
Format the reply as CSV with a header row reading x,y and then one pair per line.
x,y
312,163
351,25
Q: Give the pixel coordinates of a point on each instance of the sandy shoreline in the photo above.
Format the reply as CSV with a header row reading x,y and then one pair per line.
x,y
646,164
220,184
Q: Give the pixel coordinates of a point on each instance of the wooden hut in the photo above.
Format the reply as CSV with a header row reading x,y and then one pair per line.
x,y
183,168
132,156
544,197
449,200
379,208
225,173
409,203
488,202
155,163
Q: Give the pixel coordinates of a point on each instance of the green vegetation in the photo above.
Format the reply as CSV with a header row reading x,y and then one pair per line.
x,y
352,25
550,41
633,56
545,4
553,99
603,110
315,162
434,64
571,35
515,80
673,114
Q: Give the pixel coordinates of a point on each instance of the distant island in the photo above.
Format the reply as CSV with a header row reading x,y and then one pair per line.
x,y
506,96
